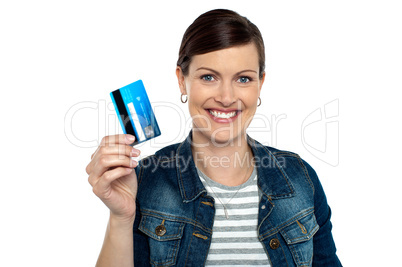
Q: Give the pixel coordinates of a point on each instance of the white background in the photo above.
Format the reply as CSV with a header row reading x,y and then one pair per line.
x,y
60,59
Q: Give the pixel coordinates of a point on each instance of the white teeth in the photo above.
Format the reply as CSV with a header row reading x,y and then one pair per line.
x,y
223,115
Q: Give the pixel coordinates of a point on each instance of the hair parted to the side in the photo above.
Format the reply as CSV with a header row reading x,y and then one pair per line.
x,y
219,29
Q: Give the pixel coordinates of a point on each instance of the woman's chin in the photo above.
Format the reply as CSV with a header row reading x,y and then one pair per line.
x,y
224,137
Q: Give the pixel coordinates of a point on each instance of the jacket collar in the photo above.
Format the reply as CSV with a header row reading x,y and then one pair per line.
x,y
272,178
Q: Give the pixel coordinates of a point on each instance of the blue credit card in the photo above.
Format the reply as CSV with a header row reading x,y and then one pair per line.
x,y
135,112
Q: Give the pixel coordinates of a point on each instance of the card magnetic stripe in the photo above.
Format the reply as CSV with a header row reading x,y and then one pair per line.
x,y
124,118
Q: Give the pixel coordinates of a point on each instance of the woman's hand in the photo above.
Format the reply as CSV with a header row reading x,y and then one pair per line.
x,y
112,176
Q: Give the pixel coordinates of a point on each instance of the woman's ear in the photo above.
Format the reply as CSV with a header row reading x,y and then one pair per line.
x,y
180,79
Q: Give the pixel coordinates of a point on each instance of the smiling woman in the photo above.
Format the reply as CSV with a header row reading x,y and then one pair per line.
x,y
219,198
222,97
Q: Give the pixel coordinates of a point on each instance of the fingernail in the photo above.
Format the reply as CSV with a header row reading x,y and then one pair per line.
x,y
130,138
135,152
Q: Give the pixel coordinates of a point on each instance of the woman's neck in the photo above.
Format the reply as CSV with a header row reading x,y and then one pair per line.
x,y
229,164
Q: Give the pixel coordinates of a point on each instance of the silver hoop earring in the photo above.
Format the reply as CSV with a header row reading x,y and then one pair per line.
x,y
259,102
181,98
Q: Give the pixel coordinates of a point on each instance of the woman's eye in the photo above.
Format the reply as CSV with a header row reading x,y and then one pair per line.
x,y
208,78
243,79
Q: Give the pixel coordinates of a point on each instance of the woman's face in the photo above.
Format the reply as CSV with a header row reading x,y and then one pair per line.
x,y
223,89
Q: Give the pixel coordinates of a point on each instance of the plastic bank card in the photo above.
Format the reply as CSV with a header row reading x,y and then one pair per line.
x,y
135,112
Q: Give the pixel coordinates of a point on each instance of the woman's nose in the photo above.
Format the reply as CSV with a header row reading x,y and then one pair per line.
x,y
226,94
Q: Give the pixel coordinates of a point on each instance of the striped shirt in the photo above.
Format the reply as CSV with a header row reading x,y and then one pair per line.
x,y
234,240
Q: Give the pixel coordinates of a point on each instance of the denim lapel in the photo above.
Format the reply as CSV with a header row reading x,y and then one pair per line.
x,y
272,178
190,185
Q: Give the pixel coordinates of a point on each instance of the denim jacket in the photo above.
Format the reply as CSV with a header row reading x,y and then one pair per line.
x,y
175,215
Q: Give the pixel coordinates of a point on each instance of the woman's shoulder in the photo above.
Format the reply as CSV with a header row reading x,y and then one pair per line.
x,y
280,152
272,151
290,163
286,155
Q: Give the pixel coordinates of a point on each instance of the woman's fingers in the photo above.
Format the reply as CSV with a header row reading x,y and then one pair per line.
x,y
118,139
105,162
108,163
119,149
113,140
122,151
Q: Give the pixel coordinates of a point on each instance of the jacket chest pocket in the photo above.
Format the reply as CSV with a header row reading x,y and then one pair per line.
x,y
164,239
299,238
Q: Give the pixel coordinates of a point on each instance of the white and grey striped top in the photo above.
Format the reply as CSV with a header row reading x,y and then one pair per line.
x,y
234,240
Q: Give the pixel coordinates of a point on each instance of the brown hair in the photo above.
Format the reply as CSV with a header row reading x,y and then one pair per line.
x,y
219,29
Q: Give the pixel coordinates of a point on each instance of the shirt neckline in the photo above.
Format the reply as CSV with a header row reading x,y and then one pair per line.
x,y
250,180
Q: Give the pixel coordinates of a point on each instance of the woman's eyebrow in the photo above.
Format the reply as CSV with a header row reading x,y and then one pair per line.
x,y
240,72
208,69
217,72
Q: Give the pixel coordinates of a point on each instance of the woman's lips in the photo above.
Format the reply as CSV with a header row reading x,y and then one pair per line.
x,y
223,116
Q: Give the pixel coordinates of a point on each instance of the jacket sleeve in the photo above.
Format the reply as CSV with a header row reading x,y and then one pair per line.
x,y
324,245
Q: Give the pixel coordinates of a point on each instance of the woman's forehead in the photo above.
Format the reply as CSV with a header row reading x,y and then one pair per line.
x,y
233,58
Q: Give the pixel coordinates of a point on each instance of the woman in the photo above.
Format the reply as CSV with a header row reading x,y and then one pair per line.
x,y
219,197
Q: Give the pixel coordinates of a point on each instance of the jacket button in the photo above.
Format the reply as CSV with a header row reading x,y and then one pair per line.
x,y
160,230
274,243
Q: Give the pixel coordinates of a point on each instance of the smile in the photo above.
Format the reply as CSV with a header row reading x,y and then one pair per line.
x,y
223,115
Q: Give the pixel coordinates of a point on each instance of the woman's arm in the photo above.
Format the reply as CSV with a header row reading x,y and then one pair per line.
x,y
324,245
114,181
117,249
